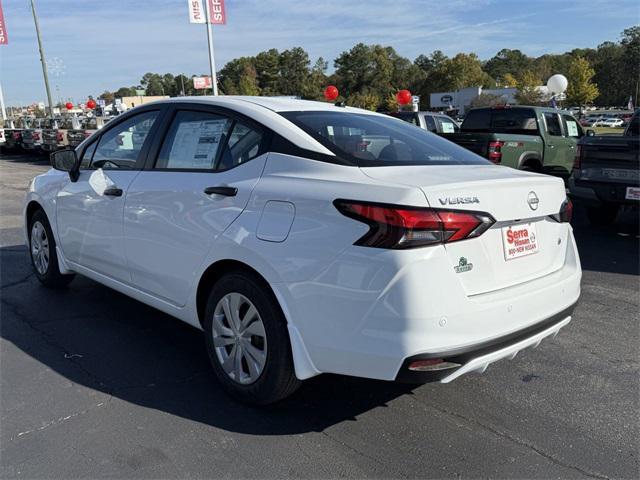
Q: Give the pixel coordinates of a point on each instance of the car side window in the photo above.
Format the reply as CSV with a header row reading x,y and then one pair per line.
x,y
87,155
447,125
120,146
243,145
571,126
193,141
553,124
431,124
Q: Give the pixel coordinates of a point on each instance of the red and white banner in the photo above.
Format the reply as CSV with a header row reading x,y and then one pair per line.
x,y
200,83
197,12
217,12
4,39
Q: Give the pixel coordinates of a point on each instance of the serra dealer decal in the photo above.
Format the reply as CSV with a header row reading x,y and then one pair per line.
x,y
519,240
4,39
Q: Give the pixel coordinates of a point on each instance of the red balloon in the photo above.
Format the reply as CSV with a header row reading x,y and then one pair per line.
x,y
331,93
403,97
68,106
91,104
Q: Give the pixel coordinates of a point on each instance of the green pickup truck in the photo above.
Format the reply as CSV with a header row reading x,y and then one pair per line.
x,y
538,139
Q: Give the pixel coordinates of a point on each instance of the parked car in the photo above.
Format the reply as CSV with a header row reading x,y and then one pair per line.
x,y
32,135
606,174
2,138
55,137
12,139
537,139
611,122
83,128
305,237
432,121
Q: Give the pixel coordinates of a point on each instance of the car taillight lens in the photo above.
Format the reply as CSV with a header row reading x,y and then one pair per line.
x,y
397,227
35,136
87,134
16,135
577,162
495,151
59,137
566,212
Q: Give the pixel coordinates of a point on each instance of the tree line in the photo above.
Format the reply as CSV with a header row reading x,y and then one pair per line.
x,y
368,76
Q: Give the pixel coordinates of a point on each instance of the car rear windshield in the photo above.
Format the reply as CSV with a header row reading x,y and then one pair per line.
x,y
521,121
377,140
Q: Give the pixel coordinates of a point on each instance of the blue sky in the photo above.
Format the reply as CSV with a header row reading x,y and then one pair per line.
x,y
97,45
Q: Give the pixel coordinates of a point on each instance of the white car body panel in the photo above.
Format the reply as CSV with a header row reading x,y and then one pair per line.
x,y
350,309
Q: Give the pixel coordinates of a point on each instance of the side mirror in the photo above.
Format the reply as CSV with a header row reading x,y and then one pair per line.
x,y
66,161
591,133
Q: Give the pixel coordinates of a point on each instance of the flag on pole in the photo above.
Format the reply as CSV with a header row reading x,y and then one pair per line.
x,y
630,104
197,12
4,39
218,14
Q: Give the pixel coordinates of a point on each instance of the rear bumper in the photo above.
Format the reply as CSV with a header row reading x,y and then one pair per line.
x,y
595,194
480,356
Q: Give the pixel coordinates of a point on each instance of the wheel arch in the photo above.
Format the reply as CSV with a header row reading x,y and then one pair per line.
x,y
532,160
302,362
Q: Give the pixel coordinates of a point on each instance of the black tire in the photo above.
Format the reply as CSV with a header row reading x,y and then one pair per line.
x,y
277,379
603,215
50,276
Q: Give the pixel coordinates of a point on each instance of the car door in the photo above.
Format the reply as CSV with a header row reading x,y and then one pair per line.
x,y
90,210
196,184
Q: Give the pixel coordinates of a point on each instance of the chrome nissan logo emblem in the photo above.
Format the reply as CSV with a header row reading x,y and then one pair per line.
x,y
532,200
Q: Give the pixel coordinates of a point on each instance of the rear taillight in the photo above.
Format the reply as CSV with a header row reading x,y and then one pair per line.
x,y
59,136
495,151
35,136
577,162
566,212
87,134
16,135
396,227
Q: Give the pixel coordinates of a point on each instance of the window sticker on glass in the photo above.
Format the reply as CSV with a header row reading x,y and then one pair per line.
x,y
447,127
572,128
196,144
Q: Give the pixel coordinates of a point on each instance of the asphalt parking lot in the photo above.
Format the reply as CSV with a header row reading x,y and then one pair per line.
x,y
94,384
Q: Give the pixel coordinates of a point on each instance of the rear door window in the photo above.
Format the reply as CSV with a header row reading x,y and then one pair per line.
x,y
446,125
571,126
193,141
553,124
477,121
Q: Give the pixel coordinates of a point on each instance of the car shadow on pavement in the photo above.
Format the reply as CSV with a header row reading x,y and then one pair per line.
x,y
614,248
98,338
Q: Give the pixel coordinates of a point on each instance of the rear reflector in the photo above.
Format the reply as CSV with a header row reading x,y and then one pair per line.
x,y
394,226
431,365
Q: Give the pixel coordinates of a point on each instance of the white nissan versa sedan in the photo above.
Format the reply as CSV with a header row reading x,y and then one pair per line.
x,y
304,238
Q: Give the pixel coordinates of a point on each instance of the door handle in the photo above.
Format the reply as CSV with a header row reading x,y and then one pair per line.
x,y
225,191
113,192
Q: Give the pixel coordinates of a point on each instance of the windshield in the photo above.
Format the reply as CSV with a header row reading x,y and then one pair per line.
x,y
376,140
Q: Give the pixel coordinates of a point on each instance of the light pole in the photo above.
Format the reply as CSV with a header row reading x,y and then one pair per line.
x,y
42,59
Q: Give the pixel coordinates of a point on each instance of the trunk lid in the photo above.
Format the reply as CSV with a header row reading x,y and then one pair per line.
x,y
505,194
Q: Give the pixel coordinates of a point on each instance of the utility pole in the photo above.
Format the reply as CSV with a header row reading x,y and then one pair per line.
x,y
42,60
212,61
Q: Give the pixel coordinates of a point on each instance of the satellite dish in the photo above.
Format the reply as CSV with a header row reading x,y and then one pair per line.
x,y
557,83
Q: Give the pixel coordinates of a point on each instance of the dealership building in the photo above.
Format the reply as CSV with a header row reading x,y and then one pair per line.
x,y
461,99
